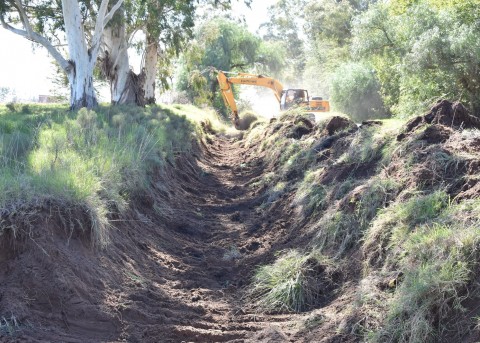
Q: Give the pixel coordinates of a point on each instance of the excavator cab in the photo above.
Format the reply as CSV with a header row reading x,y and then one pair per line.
x,y
293,97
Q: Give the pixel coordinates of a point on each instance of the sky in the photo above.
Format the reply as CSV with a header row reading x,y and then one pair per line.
x,y
29,70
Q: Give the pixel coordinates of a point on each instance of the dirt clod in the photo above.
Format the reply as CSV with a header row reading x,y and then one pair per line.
x,y
298,131
436,134
338,123
246,120
445,113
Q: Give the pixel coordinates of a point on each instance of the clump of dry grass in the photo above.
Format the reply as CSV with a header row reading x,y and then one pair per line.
x,y
293,283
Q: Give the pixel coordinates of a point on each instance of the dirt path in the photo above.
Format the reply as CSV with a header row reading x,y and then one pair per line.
x,y
220,249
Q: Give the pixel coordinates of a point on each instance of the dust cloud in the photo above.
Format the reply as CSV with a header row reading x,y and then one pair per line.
x,y
261,101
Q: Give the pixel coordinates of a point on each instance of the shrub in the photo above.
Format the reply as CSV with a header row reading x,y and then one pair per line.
x,y
11,107
355,90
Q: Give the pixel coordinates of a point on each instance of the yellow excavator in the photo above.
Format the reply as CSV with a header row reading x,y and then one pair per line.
x,y
286,97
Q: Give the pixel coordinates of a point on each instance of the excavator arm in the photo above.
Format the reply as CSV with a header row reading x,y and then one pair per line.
x,y
245,79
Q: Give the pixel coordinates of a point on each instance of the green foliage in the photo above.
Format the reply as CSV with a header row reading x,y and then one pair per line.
x,y
328,28
222,45
97,159
356,91
416,52
439,260
421,52
291,283
282,33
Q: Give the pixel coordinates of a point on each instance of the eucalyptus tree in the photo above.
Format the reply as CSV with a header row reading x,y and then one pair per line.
x,y
285,26
164,27
47,23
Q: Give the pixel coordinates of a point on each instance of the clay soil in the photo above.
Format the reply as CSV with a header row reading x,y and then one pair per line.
x,y
175,269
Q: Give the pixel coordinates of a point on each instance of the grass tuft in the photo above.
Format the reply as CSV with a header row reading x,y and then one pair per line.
x,y
293,283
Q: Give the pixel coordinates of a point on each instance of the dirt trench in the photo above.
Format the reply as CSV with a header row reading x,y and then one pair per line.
x,y
175,270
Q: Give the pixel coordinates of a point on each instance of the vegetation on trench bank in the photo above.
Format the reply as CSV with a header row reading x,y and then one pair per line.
x,y
393,201
294,282
94,159
438,257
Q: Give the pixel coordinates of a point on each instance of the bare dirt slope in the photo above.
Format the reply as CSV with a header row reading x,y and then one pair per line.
x,y
174,270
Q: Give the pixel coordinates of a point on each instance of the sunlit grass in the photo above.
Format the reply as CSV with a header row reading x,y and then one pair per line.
x,y
291,283
94,159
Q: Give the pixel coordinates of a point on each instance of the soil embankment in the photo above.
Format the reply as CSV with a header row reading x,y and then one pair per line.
x,y
179,263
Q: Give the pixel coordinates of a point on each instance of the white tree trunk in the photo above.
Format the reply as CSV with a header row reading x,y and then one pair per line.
x,y
80,76
117,67
79,68
151,60
82,93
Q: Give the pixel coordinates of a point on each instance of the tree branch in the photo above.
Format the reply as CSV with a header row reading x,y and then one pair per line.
x,y
98,33
100,24
33,36
24,17
110,14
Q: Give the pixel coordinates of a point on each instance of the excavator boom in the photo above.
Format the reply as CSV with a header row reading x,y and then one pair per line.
x,y
286,98
245,79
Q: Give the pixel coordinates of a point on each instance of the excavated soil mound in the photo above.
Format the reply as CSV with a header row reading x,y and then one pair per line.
x,y
445,113
338,123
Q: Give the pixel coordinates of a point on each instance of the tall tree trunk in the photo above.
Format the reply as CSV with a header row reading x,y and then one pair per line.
x,y
80,75
125,86
79,68
82,93
151,60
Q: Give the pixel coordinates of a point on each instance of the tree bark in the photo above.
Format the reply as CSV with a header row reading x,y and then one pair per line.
x,y
116,65
125,86
82,92
151,60
79,68
80,75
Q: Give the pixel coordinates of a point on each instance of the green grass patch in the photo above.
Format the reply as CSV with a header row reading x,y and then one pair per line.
x,y
393,225
338,230
439,263
435,244
98,159
292,283
311,195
